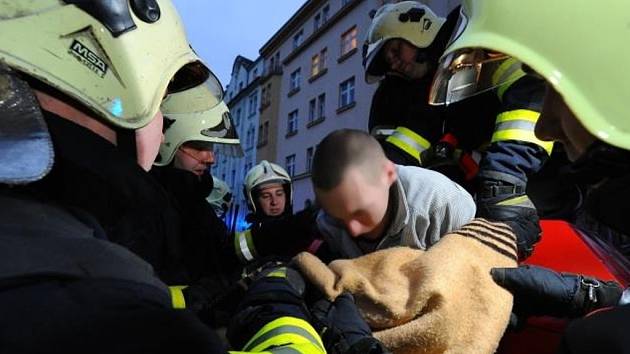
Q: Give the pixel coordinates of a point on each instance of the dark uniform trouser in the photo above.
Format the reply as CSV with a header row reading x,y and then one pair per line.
x,y
606,331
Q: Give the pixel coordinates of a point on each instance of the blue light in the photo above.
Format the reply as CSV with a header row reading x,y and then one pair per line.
x,y
242,225
116,107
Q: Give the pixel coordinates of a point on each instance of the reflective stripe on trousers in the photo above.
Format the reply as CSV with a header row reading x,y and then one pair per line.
x,y
286,335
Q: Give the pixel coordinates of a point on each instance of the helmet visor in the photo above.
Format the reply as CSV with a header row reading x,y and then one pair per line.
x,y
187,96
469,72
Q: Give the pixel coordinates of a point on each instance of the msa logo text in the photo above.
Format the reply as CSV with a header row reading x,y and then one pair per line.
x,y
88,58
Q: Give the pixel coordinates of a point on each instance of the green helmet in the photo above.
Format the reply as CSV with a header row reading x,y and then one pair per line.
x,y
221,197
116,57
578,46
264,173
409,20
198,115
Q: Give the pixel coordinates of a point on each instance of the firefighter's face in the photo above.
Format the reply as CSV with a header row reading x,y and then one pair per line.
x,y
360,201
272,199
401,56
192,159
558,123
148,140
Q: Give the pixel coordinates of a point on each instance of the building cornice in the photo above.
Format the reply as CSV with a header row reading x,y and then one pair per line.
x,y
287,29
321,30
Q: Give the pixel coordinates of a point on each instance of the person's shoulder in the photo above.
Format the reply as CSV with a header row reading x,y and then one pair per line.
x,y
421,183
419,175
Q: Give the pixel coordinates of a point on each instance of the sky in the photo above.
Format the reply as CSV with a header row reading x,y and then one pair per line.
x,y
219,30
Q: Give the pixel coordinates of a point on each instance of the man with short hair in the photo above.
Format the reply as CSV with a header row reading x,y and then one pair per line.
x,y
370,203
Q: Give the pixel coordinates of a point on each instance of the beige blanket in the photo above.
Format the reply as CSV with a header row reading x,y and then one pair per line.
x,y
438,301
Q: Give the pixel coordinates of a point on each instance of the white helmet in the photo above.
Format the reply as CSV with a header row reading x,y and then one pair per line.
x,y
220,198
264,173
198,115
409,20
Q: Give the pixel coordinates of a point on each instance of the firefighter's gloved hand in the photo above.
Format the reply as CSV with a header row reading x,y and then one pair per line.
x,y
523,221
441,157
342,328
201,298
540,291
275,291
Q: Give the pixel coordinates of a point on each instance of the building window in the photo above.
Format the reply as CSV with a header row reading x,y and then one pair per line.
x,y
238,117
349,41
298,38
272,65
265,96
290,165
296,80
312,110
309,159
325,13
317,21
318,62
321,106
315,65
346,93
263,133
292,123
253,103
250,137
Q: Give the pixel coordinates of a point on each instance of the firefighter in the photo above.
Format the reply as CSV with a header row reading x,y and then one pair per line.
x,y
585,109
198,123
80,90
275,231
403,45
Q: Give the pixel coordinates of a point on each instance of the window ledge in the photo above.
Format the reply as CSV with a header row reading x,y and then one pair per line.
x,y
290,134
315,122
263,107
318,75
293,92
346,107
347,55
301,176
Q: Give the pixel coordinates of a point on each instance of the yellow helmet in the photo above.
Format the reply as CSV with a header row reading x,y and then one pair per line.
x,y
409,20
198,115
116,57
578,46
